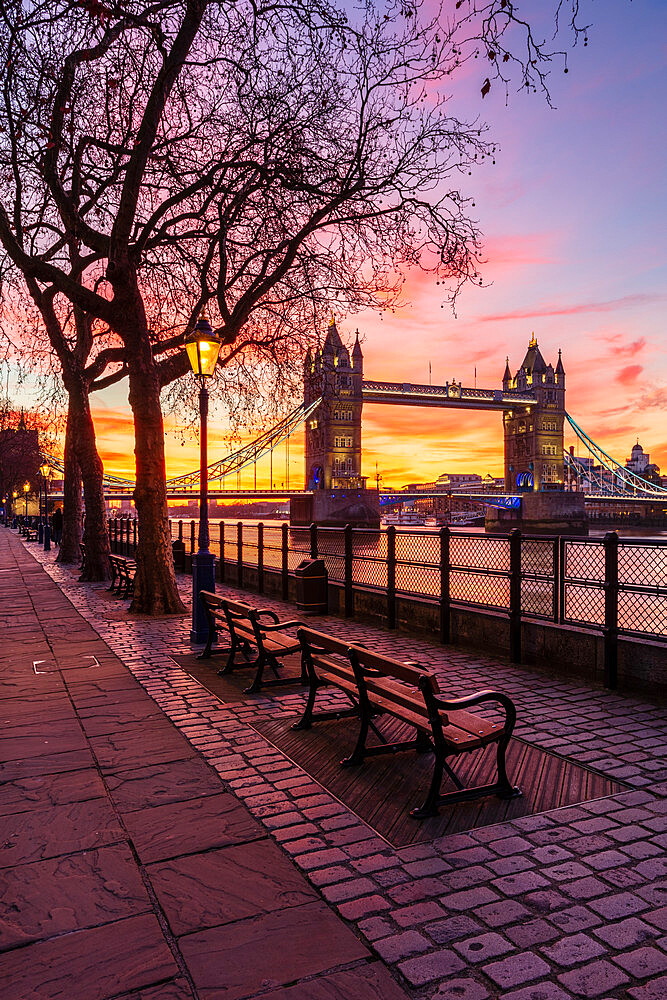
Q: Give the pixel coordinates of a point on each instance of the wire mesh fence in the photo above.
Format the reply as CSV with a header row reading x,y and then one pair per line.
x,y
579,581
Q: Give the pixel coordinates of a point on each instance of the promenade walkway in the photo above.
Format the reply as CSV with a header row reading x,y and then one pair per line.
x,y
156,844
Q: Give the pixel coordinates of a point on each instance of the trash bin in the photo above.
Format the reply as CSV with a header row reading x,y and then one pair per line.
x,y
178,548
312,587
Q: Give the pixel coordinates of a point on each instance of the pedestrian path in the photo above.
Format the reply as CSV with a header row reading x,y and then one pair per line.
x,y
128,869
560,905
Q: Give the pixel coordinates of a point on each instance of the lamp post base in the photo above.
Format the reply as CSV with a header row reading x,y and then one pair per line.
x,y
203,578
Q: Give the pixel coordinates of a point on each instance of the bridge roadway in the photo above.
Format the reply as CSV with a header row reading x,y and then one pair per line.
x,y
386,499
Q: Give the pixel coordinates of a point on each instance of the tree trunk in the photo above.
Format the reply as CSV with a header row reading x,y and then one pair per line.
x,y
95,531
155,589
72,506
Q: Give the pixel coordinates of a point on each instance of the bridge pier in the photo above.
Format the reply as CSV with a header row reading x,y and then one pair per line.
x,y
358,507
545,513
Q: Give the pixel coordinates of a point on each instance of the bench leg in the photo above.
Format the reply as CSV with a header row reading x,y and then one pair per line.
x,y
306,720
430,805
259,673
357,755
505,788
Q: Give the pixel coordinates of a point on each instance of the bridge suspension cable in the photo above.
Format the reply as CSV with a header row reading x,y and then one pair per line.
x,y
618,480
250,453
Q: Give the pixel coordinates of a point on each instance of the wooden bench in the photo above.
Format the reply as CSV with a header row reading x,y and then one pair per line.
x,y
249,627
123,571
377,684
31,535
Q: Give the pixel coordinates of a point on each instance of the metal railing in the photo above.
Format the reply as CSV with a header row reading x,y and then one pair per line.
x,y
616,587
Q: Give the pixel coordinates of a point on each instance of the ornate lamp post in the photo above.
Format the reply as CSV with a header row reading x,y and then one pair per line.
x,y
203,347
26,490
15,497
45,470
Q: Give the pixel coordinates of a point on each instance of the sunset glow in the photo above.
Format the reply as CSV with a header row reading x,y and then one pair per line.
x,y
574,244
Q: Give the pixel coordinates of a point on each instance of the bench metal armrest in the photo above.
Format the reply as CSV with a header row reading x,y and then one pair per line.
x,y
479,698
267,614
279,625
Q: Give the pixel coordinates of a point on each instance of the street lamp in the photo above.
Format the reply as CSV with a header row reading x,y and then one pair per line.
x,y
45,470
26,490
203,347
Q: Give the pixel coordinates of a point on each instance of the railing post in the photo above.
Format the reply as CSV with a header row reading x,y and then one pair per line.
x,y
115,535
610,630
562,570
134,535
180,530
445,617
222,552
556,573
313,541
285,563
391,576
239,554
515,595
123,544
349,595
260,557
192,542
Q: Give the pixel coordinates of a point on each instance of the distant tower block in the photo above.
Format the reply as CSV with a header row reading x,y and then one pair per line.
x,y
333,433
534,434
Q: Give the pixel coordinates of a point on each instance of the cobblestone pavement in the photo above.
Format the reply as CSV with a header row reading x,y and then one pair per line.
x,y
565,904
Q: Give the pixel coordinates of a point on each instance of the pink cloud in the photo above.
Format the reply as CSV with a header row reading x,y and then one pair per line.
x,y
585,307
629,374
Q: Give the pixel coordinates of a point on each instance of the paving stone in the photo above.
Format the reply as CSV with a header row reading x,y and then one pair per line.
x,y
158,784
539,991
642,962
61,829
502,913
593,980
461,989
532,932
400,946
572,950
90,964
517,969
238,959
626,933
622,904
43,790
470,899
357,908
436,965
575,918
231,883
69,893
654,990
365,982
192,826
483,947
452,928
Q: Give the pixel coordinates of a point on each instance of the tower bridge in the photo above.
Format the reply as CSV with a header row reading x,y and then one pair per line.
x,y
537,469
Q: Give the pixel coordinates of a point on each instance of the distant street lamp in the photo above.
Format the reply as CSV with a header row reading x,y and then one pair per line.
x,y
203,347
26,490
45,469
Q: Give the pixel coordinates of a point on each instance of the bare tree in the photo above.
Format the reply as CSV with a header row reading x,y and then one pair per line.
x,y
258,156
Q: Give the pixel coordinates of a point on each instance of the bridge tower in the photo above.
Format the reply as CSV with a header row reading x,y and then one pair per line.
x,y
534,434
333,433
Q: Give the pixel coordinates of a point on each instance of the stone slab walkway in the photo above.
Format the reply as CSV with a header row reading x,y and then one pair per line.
x,y
562,905
127,868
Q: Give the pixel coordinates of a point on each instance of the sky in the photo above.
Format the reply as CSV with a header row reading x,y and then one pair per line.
x,y
573,222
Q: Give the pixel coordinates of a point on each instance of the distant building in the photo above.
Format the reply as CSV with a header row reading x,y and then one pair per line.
x,y
639,460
